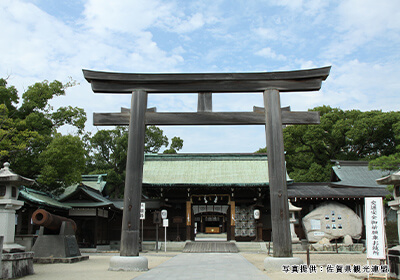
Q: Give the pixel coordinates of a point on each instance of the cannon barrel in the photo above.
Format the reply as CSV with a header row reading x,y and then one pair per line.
x,y
53,222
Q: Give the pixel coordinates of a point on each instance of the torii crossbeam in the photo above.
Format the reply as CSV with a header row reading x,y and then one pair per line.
x,y
270,83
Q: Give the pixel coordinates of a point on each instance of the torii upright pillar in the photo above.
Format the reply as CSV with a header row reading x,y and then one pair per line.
x,y
277,175
133,189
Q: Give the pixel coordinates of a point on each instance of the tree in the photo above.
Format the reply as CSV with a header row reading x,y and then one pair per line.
x,y
63,162
176,145
29,133
109,151
389,162
342,135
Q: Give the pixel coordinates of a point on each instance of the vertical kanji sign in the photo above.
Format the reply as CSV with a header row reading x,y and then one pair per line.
x,y
142,210
374,227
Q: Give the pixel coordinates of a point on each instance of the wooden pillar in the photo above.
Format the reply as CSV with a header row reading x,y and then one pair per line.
x,y
277,175
96,228
232,221
130,234
204,102
188,220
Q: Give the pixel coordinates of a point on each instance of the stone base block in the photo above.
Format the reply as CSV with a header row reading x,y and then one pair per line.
x,y
138,263
275,264
16,265
13,248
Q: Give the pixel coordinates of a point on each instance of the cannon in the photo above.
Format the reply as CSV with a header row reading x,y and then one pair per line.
x,y
50,221
56,240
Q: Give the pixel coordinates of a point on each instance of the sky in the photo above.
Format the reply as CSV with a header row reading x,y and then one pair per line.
x,y
56,39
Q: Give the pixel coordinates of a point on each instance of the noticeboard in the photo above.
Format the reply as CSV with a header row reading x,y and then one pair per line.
x,y
375,231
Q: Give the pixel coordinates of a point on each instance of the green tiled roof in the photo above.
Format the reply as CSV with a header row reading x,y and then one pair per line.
x,y
40,198
94,181
356,174
97,198
206,169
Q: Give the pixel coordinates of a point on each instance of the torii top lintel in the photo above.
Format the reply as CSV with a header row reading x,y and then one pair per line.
x,y
284,81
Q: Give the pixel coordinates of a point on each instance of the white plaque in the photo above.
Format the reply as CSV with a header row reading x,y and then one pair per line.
x,y
142,211
165,223
315,224
375,231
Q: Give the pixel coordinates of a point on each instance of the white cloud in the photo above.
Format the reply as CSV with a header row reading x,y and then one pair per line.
x,y
266,33
362,22
359,38
269,53
124,16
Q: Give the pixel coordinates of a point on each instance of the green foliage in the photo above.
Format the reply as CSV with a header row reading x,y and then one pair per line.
x,y
63,162
154,139
176,145
28,134
341,135
262,151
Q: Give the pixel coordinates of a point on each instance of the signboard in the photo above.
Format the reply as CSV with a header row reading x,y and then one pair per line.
x,y
142,211
157,217
375,231
165,223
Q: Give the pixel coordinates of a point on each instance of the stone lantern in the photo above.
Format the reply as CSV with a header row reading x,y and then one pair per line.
x,y
393,179
293,220
9,183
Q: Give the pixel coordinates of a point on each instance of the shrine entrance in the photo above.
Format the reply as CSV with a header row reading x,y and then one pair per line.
x,y
206,84
211,215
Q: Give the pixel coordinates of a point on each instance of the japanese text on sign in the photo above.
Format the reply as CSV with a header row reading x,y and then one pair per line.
x,y
374,228
142,211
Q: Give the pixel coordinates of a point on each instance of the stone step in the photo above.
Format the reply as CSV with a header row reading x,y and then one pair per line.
x,y
210,247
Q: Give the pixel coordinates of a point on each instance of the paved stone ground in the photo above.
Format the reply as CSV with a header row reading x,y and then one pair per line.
x,y
202,266
205,266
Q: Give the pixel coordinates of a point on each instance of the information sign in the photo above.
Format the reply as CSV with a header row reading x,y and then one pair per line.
x,y
142,211
375,231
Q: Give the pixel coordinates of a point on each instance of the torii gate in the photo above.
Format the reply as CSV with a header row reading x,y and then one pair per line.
x,y
270,83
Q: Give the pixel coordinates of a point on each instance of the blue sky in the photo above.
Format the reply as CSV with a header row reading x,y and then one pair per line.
x,y
56,39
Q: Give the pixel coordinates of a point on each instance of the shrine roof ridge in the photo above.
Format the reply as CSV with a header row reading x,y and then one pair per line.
x,y
285,81
206,156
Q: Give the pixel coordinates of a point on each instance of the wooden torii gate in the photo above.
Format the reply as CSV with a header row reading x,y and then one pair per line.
x,y
270,83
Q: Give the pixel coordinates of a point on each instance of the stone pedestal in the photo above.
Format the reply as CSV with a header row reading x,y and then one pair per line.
x,y
57,248
7,219
16,265
135,263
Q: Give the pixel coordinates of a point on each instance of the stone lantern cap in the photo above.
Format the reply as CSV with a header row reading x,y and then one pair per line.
x,y
392,179
7,177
